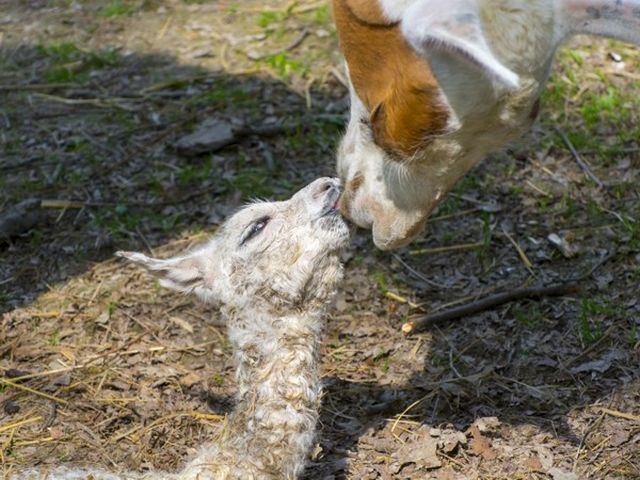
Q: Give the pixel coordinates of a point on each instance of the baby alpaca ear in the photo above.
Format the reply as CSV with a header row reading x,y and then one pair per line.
x,y
452,31
187,273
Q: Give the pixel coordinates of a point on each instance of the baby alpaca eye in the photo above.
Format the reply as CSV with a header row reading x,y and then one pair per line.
x,y
255,229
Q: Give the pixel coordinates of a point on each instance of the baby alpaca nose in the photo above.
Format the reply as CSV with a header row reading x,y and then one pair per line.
x,y
324,185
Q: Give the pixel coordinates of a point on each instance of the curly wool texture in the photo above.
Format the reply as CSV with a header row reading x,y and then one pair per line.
x,y
273,288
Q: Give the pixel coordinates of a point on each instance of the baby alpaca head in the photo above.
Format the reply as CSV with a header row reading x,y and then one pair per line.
x,y
281,253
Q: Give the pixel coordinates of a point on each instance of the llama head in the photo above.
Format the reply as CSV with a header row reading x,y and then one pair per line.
x,y
281,253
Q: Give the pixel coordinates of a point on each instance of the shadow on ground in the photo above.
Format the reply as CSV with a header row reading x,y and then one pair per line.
x,y
128,368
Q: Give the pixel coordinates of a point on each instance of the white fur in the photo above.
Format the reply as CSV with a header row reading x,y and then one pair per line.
x,y
491,59
273,290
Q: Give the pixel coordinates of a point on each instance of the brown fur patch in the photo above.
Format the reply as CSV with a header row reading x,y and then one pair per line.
x,y
415,230
368,11
356,182
392,80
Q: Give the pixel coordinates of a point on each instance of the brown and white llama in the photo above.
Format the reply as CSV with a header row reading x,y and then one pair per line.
x,y
272,268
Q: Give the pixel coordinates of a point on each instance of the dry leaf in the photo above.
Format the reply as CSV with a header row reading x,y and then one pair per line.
x,y
545,456
533,463
422,452
618,438
480,445
487,424
601,365
182,324
450,439
102,318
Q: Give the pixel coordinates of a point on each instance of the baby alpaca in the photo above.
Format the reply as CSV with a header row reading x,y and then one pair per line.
x,y
272,268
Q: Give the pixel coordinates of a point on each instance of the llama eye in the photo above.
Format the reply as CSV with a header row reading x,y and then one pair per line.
x,y
255,229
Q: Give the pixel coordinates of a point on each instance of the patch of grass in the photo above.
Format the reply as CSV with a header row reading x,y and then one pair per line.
x,y
222,95
567,205
608,107
252,182
575,56
594,212
60,51
545,203
70,63
517,189
192,173
530,316
117,8
470,181
631,232
380,278
384,360
217,379
483,254
266,19
590,323
320,16
634,335
283,65
438,360
450,205
54,339
118,220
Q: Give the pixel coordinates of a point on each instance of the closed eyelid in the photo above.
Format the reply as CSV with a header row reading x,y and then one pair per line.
x,y
254,228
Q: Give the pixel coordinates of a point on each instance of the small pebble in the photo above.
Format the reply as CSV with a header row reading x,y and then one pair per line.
x,y
14,373
10,407
615,56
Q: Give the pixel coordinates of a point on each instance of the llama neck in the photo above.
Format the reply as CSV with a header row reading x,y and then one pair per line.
x,y
278,388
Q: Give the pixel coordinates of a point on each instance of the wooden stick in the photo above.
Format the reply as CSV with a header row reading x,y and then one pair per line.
x,y
448,248
581,163
615,413
12,426
9,383
37,86
521,254
423,322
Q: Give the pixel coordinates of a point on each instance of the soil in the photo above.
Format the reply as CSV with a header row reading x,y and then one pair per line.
x,y
99,365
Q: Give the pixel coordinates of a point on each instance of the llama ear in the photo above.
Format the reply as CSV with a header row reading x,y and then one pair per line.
x,y
450,34
187,273
411,117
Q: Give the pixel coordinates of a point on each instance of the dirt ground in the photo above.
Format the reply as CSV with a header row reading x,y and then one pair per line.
x,y
98,365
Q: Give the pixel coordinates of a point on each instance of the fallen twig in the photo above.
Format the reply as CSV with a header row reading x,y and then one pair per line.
x,y
521,254
581,163
449,248
15,425
9,383
96,102
37,86
615,413
422,322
